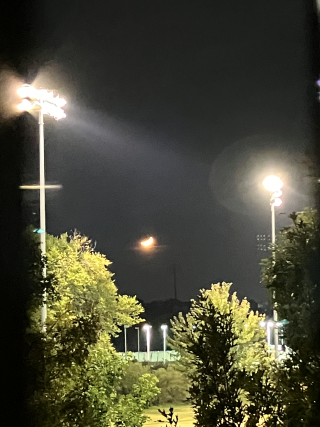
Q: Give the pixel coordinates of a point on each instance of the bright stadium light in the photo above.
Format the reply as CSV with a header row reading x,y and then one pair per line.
x,y
41,99
25,105
147,329
45,103
164,332
27,91
273,184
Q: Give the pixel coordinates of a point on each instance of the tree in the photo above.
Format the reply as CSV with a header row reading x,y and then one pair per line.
x,y
173,384
222,349
250,348
81,278
74,369
292,275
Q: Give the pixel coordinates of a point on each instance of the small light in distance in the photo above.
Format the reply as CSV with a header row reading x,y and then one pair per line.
x,y
147,243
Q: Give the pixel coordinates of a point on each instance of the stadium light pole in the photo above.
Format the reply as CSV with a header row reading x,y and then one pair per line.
x,y
45,103
273,184
125,327
147,329
164,332
138,342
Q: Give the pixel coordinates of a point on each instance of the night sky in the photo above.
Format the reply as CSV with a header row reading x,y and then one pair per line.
x,y
176,112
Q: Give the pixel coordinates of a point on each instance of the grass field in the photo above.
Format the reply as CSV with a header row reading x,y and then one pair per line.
x,y
184,412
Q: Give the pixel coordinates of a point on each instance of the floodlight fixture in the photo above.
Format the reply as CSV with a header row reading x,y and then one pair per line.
x,y
276,201
41,99
147,329
272,183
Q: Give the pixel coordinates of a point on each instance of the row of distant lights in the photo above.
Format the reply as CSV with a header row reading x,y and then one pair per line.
x,y
41,99
147,327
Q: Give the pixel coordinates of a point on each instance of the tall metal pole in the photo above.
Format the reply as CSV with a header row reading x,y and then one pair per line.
x,y
164,344
275,313
148,342
125,339
42,214
138,331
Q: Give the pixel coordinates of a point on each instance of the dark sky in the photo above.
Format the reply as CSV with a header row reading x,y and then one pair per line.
x,y
176,112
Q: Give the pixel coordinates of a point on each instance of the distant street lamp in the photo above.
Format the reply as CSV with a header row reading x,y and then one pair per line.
x,y
164,331
147,329
274,184
138,331
46,103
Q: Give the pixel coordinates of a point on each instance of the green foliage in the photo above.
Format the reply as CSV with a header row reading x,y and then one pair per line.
x,y
221,348
292,275
74,369
262,395
173,384
250,344
130,407
133,372
84,286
